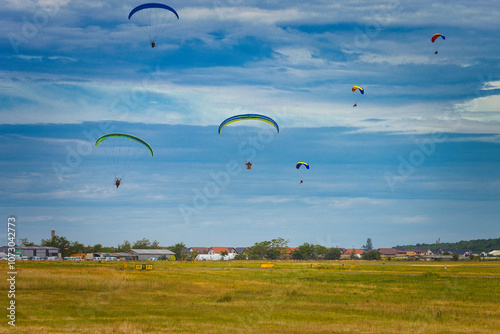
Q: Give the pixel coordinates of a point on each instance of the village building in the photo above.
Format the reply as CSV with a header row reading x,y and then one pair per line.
x,y
494,253
239,250
286,252
124,256
348,253
199,250
42,252
387,253
218,250
149,254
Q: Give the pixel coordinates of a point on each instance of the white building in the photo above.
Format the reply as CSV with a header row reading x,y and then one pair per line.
x,y
494,253
215,257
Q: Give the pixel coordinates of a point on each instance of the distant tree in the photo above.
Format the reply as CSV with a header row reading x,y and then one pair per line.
x,y
241,256
224,253
321,251
142,244
477,246
25,242
455,256
108,249
259,250
126,246
307,251
60,242
333,254
280,245
177,249
368,246
371,255
299,255
273,254
96,249
271,250
145,244
76,248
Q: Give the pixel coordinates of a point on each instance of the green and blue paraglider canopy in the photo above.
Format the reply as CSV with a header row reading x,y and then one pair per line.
x,y
246,117
153,18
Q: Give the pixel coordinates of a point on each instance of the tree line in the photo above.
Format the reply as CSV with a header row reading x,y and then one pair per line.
x,y
264,250
274,249
478,245
74,247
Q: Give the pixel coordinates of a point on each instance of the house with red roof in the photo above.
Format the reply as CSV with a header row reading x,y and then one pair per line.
x,y
386,253
346,253
218,250
286,253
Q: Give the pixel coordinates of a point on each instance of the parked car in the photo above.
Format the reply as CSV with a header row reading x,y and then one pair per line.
x,y
96,258
24,258
52,258
35,258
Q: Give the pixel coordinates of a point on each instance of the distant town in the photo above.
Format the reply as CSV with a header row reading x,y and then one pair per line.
x,y
58,248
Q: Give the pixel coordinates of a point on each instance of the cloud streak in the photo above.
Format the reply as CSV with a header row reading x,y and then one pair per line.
x,y
75,70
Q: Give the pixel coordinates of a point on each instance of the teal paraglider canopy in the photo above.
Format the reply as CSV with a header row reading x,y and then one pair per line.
x,y
124,135
244,117
246,130
122,152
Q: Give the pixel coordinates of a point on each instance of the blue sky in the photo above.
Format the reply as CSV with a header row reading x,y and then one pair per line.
x,y
417,160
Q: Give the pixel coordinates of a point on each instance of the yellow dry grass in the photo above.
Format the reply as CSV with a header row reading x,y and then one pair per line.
x,y
240,297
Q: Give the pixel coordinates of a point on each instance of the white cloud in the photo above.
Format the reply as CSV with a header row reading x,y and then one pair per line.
x,y
26,57
482,104
30,4
62,58
491,85
249,15
54,140
482,108
395,59
418,220
299,56
304,75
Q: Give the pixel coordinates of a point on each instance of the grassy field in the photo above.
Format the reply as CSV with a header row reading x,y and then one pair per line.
x,y
240,297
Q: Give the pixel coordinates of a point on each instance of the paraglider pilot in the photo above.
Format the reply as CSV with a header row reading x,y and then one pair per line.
x,y
153,44
249,164
117,182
